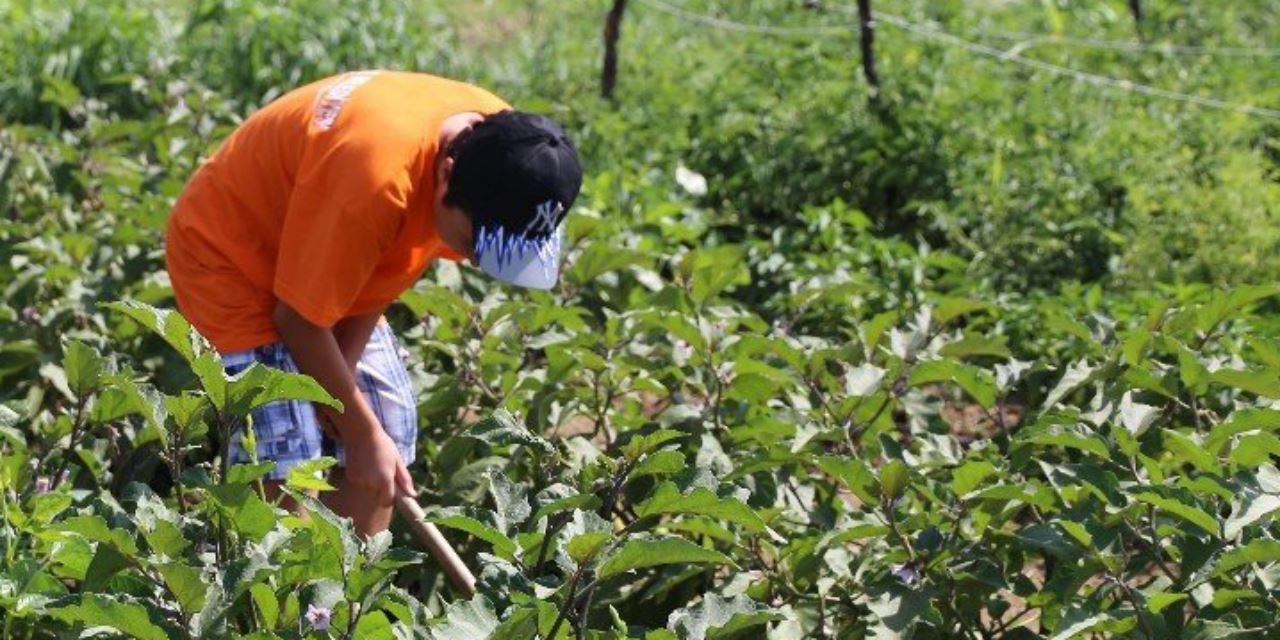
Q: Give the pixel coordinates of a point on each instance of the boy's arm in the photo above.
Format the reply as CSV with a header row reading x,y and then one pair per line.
x,y
352,334
373,462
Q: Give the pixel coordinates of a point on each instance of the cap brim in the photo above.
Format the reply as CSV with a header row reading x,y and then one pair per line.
x,y
525,263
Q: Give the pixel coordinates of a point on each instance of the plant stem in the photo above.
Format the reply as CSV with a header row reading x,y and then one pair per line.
x,y
74,442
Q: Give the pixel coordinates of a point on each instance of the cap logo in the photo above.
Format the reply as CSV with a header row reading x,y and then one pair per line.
x,y
545,218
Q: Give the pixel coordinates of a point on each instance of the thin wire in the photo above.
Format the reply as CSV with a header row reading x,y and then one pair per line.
x,y
1135,47
1035,38
730,25
1075,74
1012,55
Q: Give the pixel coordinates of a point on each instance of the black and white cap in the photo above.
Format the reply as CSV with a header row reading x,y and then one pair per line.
x,y
517,175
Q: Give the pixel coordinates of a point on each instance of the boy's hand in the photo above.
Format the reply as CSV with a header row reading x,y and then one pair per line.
x,y
374,465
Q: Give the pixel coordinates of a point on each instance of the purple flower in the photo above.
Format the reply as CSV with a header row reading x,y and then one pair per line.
x,y
42,484
30,315
318,617
906,573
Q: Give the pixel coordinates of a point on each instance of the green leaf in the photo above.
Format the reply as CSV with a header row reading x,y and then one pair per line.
x,y
466,619
186,584
1252,507
247,512
977,346
106,563
978,383
374,625
893,479
1264,382
310,475
83,366
641,553
598,259
1227,305
583,501
1076,375
970,475
1187,512
1255,552
1136,342
95,610
854,474
94,528
1135,416
949,308
667,500
169,325
502,429
259,385
712,270
1071,436
1255,449
718,617
1079,621
510,500
640,445
659,463
1157,602
583,547
863,380
482,524
1240,422
246,473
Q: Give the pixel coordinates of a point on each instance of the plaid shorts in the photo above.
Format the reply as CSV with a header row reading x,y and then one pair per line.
x,y
289,432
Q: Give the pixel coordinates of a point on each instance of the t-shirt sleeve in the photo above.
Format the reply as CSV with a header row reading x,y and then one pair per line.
x,y
346,209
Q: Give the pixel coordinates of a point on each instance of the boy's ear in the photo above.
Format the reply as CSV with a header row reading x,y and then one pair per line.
x,y
443,173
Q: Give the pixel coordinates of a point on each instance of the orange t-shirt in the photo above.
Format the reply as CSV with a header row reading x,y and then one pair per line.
x,y
322,199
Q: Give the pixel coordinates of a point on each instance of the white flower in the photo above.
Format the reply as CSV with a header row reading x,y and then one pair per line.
x,y
692,181
318,617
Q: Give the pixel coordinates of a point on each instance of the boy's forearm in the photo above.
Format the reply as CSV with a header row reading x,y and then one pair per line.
x,y
316,352
352,334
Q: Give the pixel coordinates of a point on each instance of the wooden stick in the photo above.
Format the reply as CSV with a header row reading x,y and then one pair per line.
x,y
434,541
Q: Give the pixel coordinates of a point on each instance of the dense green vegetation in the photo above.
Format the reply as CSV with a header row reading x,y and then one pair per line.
x,y
991,353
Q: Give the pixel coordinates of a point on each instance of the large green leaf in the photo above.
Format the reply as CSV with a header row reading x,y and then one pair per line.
x,y
1255,552
95,610
480,523
1263,382
472,618
718,617
503,429
1189,512
169,325
83,366
186,583
978,383
641,553
259,385
667,500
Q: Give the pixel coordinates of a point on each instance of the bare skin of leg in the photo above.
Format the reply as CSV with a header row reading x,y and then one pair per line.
x,y
352,502
274,489
348,501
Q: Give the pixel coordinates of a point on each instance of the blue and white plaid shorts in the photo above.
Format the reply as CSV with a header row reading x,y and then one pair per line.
x,y
289,432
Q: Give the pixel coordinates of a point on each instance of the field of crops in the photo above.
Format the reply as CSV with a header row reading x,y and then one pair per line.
x,y
990,351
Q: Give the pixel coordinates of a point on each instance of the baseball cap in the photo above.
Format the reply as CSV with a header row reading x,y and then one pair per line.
x,y
516,175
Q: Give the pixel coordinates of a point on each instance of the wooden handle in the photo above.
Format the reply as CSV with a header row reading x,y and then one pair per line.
x,y
434,541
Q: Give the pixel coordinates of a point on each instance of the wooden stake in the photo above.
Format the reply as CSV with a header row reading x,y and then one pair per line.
x,y
612,31
430,537
868,41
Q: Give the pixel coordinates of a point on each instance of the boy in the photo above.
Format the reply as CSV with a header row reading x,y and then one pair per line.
x,y
321,209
